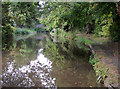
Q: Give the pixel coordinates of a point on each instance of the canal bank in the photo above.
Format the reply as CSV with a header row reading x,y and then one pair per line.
x,y
104,60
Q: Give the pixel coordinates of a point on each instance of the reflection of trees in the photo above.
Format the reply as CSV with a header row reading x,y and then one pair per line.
x,y
73,67
64,52
23,66
30,67
36,73
67,49
25,50
52,50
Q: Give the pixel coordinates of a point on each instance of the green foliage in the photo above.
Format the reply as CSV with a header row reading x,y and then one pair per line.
x,y
24,31
38,29
103,25
103,17
100,15
24,13
102,75
114,31
99,71
65,13
93,60
52,51
84,40
7,37
7,31
17,14
106,20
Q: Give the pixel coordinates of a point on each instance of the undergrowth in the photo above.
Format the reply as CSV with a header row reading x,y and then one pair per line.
x,y
100,72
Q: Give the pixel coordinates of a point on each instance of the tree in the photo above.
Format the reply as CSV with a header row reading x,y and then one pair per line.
x,y
101,17
17,14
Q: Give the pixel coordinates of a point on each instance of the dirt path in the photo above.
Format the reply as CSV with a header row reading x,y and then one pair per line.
x,y
107,53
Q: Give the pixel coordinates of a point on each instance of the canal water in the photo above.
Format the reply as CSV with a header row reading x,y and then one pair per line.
x,y
39,61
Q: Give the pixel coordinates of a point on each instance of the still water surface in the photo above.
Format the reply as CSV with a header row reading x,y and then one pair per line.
x,y
37,61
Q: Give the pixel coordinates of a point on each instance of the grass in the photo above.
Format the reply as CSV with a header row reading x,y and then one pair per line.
x,y
84,40
101,71
98,39
24,30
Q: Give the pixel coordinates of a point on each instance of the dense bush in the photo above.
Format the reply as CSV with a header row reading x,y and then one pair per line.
x,y
7,37
17,14
100,16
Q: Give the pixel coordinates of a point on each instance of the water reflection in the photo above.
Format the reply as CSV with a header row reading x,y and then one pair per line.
x,y
37,62
37,73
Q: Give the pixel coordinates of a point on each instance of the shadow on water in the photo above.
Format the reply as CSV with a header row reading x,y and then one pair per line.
x,y
37,61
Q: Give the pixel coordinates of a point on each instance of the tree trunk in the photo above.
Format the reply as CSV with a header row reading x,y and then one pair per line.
x,y
118,7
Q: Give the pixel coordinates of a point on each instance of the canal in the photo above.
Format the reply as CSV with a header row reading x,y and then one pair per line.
x,y
39,61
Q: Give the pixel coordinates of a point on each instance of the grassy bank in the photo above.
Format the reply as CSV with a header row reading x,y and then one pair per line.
x,y
24,31
104,59
101,71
